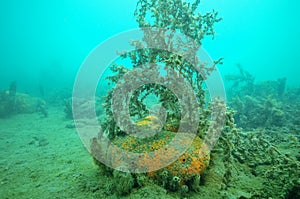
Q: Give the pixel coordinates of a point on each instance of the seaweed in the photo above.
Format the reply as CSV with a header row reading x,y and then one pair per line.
x,y
171,16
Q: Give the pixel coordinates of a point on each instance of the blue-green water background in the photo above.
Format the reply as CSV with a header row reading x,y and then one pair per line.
x,y
43,43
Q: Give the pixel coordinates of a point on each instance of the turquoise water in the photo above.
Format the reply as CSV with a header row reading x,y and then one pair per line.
x,y
44,43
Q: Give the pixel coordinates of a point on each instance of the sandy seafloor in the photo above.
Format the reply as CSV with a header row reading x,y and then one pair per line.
x,y
41,158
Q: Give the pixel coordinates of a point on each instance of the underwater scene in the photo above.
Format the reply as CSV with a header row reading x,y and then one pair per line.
x,y
150,99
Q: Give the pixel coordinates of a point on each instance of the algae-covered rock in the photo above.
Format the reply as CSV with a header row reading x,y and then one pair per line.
x,y
185,170
20,103
172,166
